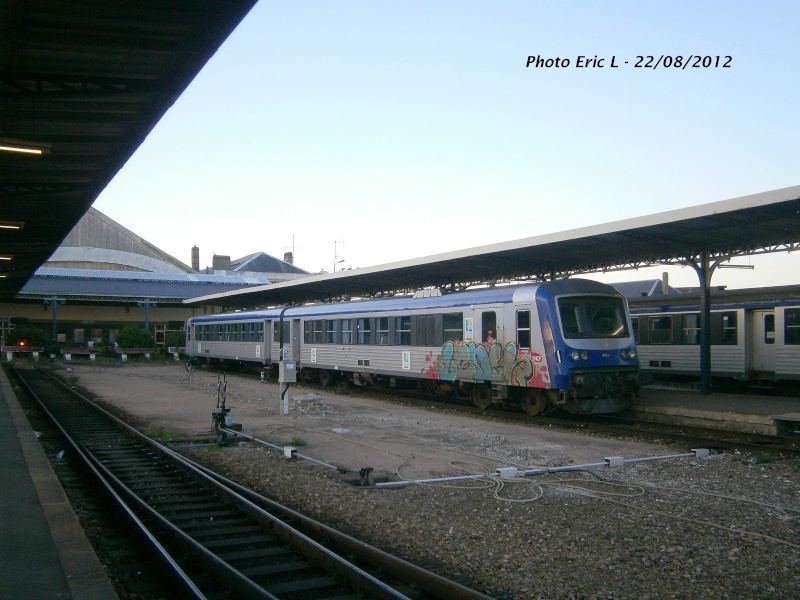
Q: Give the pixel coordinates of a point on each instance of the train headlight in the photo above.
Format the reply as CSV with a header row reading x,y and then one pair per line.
x,y
628,354
584,355
575,356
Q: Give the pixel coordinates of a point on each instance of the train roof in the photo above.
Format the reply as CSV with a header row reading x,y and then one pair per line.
x,y
765,222
495,295
788,295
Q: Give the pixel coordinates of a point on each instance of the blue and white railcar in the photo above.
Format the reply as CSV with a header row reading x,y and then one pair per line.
x,y
755,334
566,343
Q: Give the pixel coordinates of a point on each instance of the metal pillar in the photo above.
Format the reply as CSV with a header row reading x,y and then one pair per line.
x,y
705,270
54,302
146,304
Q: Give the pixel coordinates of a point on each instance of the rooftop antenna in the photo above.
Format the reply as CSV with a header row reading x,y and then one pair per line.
x,y
336,260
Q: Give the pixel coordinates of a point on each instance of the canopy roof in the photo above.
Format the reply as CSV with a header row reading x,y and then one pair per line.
x,y
766,222
85,81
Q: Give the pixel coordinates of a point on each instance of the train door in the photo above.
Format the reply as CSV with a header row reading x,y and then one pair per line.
x,y
488,325
297,332
762,340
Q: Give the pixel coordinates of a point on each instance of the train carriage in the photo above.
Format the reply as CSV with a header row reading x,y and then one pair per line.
x,y
566,343
755,335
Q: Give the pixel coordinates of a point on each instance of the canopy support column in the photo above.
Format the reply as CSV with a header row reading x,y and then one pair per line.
x,y
705,271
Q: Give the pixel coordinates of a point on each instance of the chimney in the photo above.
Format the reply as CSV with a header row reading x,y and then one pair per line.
x,y
665,283
288,257
195,258
221,263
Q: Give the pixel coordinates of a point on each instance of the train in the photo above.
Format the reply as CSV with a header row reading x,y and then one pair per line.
x,y
565,344
755,336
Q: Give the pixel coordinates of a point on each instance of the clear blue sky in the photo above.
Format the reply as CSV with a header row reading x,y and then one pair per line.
x,y
412,128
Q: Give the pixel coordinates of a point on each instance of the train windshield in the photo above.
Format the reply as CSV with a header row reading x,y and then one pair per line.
x,y
589,317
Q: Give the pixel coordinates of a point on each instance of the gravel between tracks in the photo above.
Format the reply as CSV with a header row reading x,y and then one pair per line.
x,y
727,526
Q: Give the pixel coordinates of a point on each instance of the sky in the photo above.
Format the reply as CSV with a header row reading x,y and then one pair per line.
x,y
363,133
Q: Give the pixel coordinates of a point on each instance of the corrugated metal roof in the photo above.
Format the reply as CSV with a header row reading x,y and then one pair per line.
x,y
239,280
129,285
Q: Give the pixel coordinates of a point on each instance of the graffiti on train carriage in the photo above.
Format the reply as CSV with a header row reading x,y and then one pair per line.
x,y
488,361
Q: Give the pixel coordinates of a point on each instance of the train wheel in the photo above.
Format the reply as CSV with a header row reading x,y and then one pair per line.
x,y
482,395
533,402
325,378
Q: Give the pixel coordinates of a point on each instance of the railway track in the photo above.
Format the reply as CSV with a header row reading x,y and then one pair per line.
x,y
212,538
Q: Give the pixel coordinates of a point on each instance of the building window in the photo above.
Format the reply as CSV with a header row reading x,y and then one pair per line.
x,y
791,326
524,328
453,327
347,331
660,330
729,331
363,332
690,329
402,331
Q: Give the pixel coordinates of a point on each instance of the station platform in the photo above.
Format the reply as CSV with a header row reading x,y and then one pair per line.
x,y
44,553
764,415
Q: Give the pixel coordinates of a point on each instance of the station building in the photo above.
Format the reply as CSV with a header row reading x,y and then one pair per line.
x,y
104,277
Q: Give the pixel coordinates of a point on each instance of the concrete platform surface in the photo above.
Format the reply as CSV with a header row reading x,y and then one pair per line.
x,y
766,415
44,553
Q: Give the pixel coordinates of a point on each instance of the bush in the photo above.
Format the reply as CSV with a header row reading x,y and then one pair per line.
x,y
132,336
175,338
31,336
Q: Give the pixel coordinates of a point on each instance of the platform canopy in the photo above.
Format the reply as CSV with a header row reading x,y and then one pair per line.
x,y
755,224
82,83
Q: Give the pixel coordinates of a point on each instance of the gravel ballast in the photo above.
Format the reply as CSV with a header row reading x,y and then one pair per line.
x,y
725,526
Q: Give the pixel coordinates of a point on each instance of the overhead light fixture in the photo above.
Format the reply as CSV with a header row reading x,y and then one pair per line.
x,y
23,147
12,225
6,257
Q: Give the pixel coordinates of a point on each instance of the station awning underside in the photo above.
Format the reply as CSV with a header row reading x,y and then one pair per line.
x,y
86,81
759,223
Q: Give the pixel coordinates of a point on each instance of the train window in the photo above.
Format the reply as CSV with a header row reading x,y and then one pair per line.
x,y
729,331
660,329
425,334
260,332
330,331
316,331
363,331
402,331
769,329
791,326
453,327
489,325
635,325
347,331
382,331
524,328
690,328
584,317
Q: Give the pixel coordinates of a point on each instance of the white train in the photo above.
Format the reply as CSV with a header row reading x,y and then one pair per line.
x,y
755,334
565,343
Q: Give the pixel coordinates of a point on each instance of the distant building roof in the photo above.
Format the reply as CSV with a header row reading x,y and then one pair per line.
x,y
261,262
97,285
648,287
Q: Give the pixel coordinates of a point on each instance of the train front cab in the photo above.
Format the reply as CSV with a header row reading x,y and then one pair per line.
x,y
589,347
